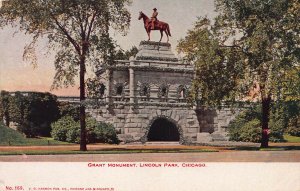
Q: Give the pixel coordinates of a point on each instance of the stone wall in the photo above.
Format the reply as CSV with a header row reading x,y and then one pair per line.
x,y
156,79
135,125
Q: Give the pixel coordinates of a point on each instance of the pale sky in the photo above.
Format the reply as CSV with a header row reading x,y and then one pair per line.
x,y
16,74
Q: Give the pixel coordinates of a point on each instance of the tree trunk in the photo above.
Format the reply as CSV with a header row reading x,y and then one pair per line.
x,y
82,107
7,119
266,103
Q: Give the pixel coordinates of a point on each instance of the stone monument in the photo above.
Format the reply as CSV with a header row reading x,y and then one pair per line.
x,y
146,100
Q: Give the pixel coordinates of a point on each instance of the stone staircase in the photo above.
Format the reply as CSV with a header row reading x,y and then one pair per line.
x,y
161,143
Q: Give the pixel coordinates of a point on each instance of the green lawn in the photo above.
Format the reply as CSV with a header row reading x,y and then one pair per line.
x,y
291,139
9,136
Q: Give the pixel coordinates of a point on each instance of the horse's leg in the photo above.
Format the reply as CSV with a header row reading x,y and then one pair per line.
x,y
161,35
167,35
148,32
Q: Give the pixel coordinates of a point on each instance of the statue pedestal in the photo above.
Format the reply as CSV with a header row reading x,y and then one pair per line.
x,y
149,50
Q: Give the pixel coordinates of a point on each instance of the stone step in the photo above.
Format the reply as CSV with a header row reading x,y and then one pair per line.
x,y
229,144
162,143
218,137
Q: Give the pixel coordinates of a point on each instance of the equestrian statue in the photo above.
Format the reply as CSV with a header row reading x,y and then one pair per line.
x,y
155,24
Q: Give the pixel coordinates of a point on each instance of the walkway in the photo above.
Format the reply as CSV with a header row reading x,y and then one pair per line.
x,y
235,156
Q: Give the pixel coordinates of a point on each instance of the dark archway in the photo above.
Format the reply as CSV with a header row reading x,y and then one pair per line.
x,y
163,130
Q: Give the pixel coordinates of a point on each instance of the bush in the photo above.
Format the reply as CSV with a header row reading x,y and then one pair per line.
x,y
33,112
105,133
291,110
73,134
277,125
239,128
67,129
69,109
251,131
4,107
62,126
294,131
294,126
276,132
235,127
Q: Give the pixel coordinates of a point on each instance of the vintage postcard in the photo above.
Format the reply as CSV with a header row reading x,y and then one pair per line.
x,y
138,95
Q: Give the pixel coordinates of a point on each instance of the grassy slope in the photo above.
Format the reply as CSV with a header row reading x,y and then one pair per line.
x,y
9,136
291,139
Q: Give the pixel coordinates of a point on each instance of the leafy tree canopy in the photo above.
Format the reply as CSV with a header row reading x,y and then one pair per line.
x,y
250,42
77,30
251,45
4,107
33,112
125,55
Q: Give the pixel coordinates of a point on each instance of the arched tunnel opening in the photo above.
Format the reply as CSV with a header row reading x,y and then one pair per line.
x,y
163,129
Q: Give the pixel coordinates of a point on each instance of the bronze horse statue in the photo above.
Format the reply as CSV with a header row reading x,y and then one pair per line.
x,y
159,25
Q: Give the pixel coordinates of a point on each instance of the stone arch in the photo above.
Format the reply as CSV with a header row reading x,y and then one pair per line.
x,y
147,129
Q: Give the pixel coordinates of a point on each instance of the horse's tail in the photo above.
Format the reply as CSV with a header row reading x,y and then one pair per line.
x,y
168,30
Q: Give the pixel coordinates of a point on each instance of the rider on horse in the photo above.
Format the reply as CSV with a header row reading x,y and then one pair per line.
x,y
153,24
154,18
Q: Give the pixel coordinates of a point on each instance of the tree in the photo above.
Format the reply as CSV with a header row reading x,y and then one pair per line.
x,y
4,107
78,30
69,109
18,109
252,44
121,55
33,112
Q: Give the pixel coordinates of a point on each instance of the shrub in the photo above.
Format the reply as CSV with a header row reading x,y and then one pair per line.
x,y
239,128
294,131
68,109
62,126
73,134
294,126
234,134
4,107
277,125
235,126
245,127
105,133
291,111
67,129
276,132
33,112
251,131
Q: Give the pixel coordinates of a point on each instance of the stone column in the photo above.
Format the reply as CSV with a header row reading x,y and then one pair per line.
x,y
131,84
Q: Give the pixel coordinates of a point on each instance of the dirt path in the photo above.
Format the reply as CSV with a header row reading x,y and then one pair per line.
x,y
239,156
105,147
132,147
